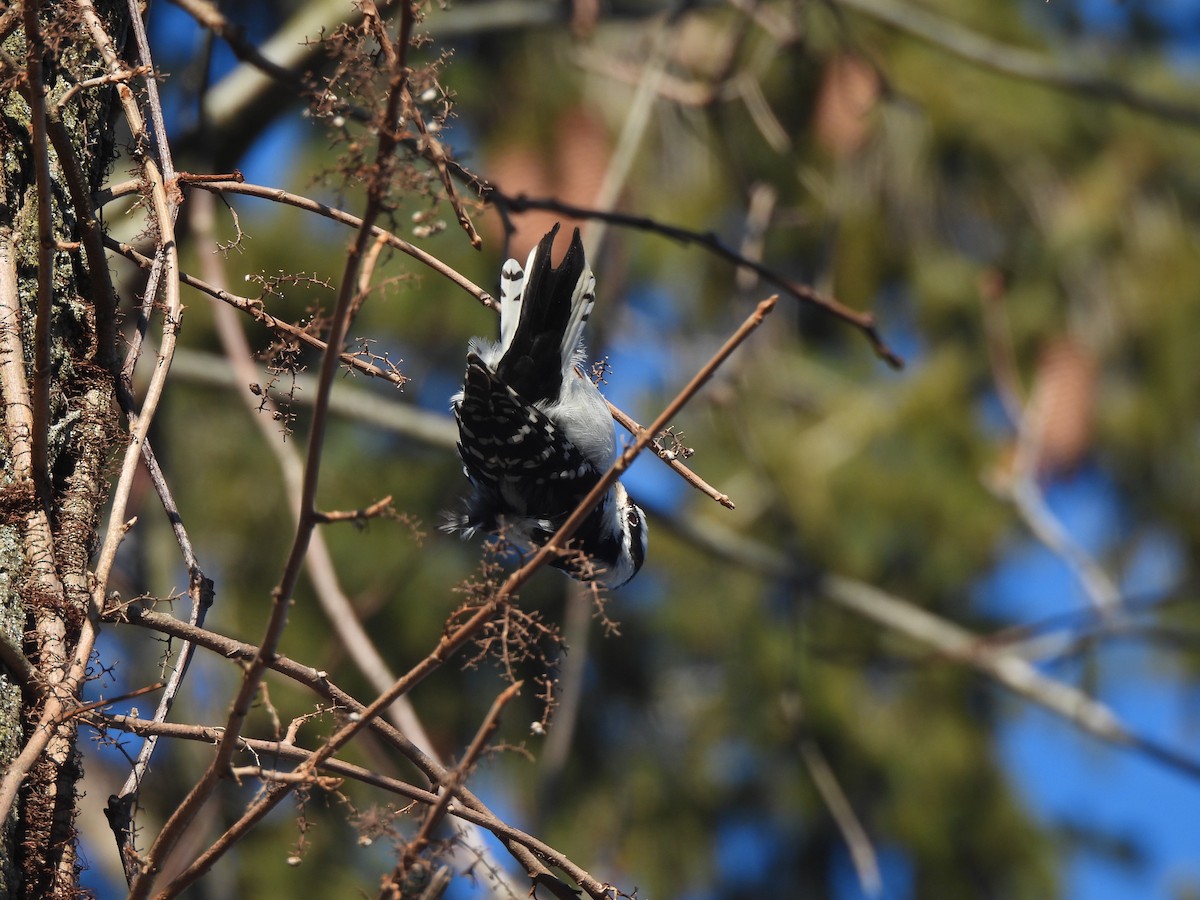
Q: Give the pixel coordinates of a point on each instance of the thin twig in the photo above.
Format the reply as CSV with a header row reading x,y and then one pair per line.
x,y
478,744
433,151
158,130
158,169
1027,496
864,322
121,805
366,276
141,326
359,404
664,453
207,15
120,698
374,511
254,308
458,776
100,81
862,853
286,197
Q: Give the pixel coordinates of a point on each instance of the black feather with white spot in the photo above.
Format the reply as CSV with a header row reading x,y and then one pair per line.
x,y
515,454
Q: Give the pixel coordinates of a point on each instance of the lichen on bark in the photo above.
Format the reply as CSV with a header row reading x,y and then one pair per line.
x,y
47,536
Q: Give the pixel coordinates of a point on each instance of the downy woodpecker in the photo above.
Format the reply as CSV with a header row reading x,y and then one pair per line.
x,y
535,435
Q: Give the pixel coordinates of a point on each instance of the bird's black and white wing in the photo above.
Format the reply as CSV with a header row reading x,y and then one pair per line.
x,y
517,457
534,434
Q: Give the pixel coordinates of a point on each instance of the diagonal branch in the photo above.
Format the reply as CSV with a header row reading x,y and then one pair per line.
x,y
120,807
862,852
331,212
449,786
946,638
864,322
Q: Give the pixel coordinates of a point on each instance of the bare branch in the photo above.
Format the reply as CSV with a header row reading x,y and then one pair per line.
x,y
947,639
1020,484
862,853
207,15
330,212
433,150
864,322
364,406
1026,495
457,777
376,510
254,308
665,454
100,704
467,812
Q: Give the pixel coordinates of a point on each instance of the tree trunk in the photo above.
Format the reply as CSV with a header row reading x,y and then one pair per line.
x,y
57,418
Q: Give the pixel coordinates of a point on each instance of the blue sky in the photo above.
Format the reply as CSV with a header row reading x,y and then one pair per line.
x,y
1067,777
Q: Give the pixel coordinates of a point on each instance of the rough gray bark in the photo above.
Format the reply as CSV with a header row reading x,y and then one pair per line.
x,y
49,519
